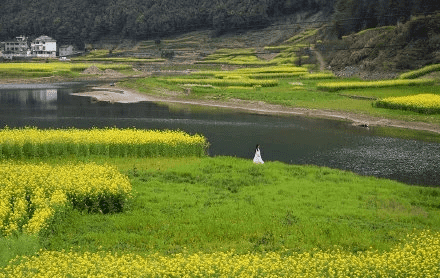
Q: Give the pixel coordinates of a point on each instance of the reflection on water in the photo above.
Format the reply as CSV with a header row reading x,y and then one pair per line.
x,y
289,139
44,98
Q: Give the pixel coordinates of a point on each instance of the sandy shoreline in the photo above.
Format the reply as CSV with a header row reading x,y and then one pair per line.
x,y
123,95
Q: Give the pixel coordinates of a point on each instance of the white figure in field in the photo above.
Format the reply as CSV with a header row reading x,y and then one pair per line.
x,y
257,157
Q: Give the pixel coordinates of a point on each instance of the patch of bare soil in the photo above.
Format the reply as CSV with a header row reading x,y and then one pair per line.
x,y
94,70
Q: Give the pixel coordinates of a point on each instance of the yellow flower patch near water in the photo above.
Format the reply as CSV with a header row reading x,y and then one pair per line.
x,y
422,103
33,142
419,256
53,68
30,194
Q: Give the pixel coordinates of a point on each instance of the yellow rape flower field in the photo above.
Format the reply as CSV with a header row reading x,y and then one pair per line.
x,y
421,103
35,197
419,257
30,194
33,142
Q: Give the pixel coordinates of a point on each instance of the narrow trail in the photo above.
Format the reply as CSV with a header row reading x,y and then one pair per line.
x,y
320,59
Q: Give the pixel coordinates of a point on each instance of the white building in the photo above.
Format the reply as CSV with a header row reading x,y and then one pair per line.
x,y
16,48
44,46
67,50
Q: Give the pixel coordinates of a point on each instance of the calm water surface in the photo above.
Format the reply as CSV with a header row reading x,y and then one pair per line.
x,y
295,140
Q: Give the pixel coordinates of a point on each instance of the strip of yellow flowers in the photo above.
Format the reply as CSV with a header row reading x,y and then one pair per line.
x,y
31,194
421,103
418,257
342,85
33,142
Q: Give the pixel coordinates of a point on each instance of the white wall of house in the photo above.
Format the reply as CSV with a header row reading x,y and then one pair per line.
x,y
44,46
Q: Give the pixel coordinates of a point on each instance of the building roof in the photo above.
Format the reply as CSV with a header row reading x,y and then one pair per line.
x,y
45,38
17,39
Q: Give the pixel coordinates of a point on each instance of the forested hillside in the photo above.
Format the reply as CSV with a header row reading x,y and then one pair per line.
x,y
79,21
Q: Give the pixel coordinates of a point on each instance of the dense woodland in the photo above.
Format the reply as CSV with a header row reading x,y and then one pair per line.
x,y
79,21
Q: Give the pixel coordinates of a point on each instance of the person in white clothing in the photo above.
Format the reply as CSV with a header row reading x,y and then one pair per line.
x,y
257,157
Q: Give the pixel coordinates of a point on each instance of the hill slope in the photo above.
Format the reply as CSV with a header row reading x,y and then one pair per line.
x,y
386,49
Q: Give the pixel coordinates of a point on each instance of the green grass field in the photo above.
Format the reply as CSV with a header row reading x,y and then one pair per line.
x,y
213,205
224,203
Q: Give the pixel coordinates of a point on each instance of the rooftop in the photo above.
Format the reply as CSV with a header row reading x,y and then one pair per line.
x,y
45,38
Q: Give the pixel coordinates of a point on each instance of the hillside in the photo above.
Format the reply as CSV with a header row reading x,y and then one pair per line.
x,y
81,21
374,53
386,49
84,21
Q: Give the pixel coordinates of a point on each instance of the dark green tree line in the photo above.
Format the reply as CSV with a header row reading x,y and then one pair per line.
x,y
79,21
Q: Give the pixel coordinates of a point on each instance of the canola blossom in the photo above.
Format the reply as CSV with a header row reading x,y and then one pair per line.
x,y
31,194
342,85
240,81
33,142
419,256
53,68
421,103
420,72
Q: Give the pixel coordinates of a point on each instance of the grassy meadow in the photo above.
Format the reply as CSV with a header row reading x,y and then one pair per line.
x,y
225,216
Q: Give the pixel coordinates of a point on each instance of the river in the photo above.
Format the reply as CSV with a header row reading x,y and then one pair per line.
x,y
292,139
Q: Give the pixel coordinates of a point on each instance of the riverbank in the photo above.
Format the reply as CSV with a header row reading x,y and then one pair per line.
x,y
125,95
122,94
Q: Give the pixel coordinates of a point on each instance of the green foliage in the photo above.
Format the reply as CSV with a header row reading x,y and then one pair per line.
x,y
79,21
17,245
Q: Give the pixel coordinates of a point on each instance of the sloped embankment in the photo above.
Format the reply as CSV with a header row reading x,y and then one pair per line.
x,y
387,49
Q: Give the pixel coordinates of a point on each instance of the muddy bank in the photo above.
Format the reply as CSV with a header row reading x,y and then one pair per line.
x,y
124,95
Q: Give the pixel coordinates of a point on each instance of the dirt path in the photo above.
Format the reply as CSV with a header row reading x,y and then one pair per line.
x,y
319,58
123,95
